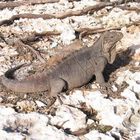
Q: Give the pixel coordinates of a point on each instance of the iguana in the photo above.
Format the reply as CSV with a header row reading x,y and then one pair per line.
x,y
74,71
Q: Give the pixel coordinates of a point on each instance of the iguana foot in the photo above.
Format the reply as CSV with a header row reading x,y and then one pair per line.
x,y
107,89
49,106
59,97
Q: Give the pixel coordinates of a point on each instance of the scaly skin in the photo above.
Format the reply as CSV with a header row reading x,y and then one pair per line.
x,y
74,71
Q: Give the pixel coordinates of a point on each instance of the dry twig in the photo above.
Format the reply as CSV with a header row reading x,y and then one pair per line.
x,y
31,38
87,31
129,8
82,31
26,15
20,3
20,43
62,15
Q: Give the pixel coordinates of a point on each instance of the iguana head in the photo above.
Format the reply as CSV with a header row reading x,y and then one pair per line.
x,y
109,39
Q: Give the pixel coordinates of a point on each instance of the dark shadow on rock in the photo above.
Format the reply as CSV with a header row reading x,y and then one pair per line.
x,y
18,129
122,59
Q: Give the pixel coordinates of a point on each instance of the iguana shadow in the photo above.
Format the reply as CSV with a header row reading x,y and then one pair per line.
x,y
122,59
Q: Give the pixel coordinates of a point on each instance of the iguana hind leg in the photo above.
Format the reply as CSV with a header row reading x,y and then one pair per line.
x,y
57,86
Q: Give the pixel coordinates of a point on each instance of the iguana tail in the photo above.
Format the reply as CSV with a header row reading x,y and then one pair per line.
x,y
34,83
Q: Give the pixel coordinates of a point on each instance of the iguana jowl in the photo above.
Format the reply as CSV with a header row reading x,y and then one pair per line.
x,y
74,71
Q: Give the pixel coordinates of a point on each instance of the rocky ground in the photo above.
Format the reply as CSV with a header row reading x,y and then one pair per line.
x,y
40,33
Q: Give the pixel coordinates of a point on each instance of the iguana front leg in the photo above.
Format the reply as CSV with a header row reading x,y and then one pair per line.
x,y
105,87
100,64
100,78
99,68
